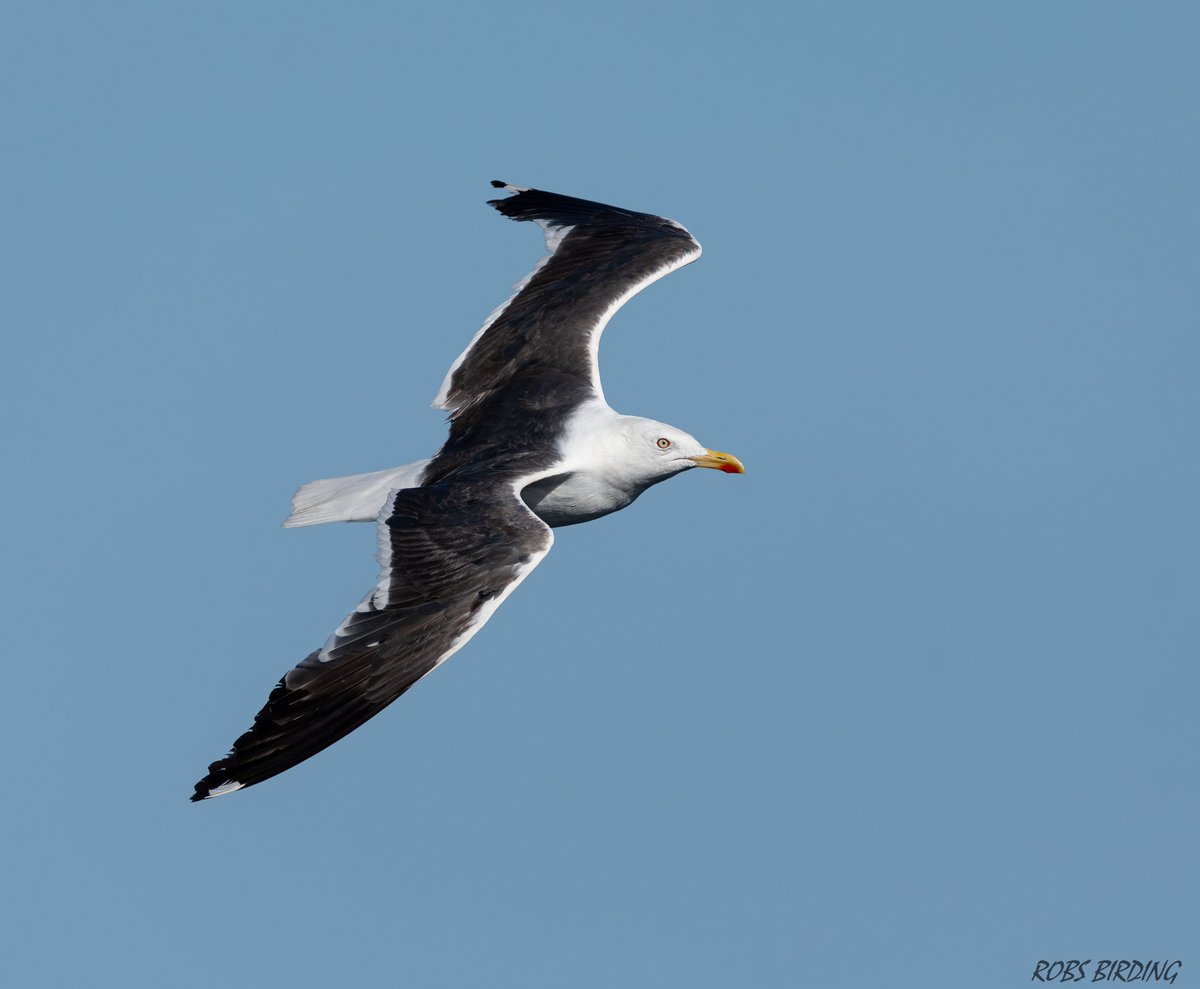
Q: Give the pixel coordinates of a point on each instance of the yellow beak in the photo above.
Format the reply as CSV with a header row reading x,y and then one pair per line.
x,y
720,461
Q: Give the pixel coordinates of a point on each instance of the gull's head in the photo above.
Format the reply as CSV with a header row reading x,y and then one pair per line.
x,y
659,451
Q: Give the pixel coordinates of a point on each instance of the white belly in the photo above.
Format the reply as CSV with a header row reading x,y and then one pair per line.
x,y
569,499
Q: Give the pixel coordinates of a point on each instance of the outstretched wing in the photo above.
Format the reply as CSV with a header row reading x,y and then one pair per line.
x,y
600,256
449,555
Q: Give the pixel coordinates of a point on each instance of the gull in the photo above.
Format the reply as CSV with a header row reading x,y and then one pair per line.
x,y
532,446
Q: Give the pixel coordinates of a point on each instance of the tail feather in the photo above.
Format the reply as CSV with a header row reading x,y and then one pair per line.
x,y
355,498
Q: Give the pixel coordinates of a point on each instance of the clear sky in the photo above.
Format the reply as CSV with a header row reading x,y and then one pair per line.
x,y
912,703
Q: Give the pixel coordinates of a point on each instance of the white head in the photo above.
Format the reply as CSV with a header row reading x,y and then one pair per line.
x,y
608,459
656,451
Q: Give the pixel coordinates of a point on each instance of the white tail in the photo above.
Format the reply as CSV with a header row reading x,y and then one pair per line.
x,y
356,498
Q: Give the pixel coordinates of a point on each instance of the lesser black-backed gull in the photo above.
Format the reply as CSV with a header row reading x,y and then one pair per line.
x,y
533,446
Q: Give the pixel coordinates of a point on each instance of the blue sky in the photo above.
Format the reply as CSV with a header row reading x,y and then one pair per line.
x,y
911,703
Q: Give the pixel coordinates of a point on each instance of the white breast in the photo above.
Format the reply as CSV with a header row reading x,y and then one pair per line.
x,y
595,478
568,499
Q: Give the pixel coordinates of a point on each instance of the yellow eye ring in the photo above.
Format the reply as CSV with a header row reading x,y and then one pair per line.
x,y
664,443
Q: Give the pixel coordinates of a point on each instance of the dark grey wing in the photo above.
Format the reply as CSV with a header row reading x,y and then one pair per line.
x,y
449,555
600,256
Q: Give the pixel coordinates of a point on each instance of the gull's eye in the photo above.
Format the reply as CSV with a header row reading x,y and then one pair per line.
x,y
664,443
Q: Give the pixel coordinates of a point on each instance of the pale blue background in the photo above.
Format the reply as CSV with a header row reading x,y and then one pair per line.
x,y
912,703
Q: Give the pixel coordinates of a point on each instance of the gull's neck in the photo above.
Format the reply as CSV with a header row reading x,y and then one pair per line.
x,y
594,438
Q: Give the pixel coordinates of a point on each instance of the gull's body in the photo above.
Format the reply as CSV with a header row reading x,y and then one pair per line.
x,y
533,446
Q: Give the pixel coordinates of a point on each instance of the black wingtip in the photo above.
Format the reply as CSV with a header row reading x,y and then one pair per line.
x,y
205,787
497,184
217,776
